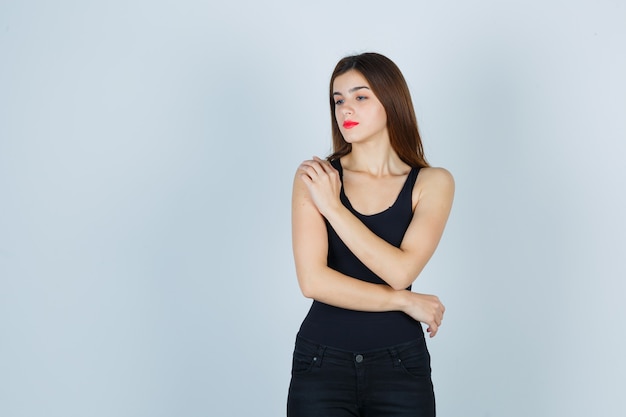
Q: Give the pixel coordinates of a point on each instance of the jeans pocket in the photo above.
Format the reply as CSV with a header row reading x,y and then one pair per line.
x,y
304,358
415,360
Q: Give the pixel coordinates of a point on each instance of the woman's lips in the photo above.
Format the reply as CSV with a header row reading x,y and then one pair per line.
x,y
349,124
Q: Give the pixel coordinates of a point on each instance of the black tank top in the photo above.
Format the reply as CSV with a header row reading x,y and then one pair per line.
x,y
359,330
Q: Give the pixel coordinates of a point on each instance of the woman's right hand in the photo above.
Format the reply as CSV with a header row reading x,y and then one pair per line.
x,y
323,182
425,308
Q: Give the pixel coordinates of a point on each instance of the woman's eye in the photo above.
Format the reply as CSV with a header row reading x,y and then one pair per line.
x,y
338,102
359,98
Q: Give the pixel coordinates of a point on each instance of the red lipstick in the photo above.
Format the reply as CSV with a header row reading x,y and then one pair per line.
x,y
349,124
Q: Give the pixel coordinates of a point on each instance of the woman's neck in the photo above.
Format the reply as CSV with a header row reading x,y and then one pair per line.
x,y
374,159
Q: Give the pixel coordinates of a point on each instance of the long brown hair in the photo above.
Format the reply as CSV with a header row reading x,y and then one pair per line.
x,y
389,85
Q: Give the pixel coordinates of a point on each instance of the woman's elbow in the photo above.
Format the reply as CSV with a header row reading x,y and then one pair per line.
x,y
307,286
307,291
402,282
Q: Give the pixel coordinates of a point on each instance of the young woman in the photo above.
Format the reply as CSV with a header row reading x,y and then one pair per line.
x,y
365,223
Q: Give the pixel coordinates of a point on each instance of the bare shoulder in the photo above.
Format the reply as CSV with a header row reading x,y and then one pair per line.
x,y
297,174
435,177
300,193
434,185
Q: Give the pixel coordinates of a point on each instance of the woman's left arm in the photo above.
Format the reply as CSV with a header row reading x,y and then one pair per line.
x,y
398,267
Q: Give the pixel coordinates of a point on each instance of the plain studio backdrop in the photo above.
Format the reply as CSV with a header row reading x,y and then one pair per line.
x,y
147,151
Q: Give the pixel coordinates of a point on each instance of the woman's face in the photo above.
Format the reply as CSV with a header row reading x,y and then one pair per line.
x,y
359,114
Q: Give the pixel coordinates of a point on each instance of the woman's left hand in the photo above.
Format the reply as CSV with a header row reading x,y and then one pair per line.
x,y
323,182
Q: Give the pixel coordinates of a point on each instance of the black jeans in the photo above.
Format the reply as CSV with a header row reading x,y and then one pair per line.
x,y
390,382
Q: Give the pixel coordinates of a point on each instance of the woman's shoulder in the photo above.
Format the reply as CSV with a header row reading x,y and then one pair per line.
x,y
434,181
435,174
433,184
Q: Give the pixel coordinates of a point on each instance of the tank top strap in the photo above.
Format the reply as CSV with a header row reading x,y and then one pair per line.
x,y
412,177
406,193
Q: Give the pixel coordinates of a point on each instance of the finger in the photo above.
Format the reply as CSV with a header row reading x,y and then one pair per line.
x,y
432,329
314,165
325,165
304,165
304,173
306,179
330,170
431,332
312,170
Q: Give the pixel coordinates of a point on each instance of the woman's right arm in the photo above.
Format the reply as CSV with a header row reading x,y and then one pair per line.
x,y
324,284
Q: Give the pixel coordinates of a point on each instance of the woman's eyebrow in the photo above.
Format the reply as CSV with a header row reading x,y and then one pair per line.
x,y
352,90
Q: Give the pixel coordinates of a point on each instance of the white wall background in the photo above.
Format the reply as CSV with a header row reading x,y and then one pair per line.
x,y
147,150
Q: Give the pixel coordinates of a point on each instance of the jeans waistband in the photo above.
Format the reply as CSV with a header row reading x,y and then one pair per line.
x,y
328,352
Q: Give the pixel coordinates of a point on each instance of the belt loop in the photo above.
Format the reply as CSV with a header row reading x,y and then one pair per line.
x,y
395,359
320,355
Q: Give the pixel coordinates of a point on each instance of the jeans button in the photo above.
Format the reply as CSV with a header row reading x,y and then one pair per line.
x,y
358,358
